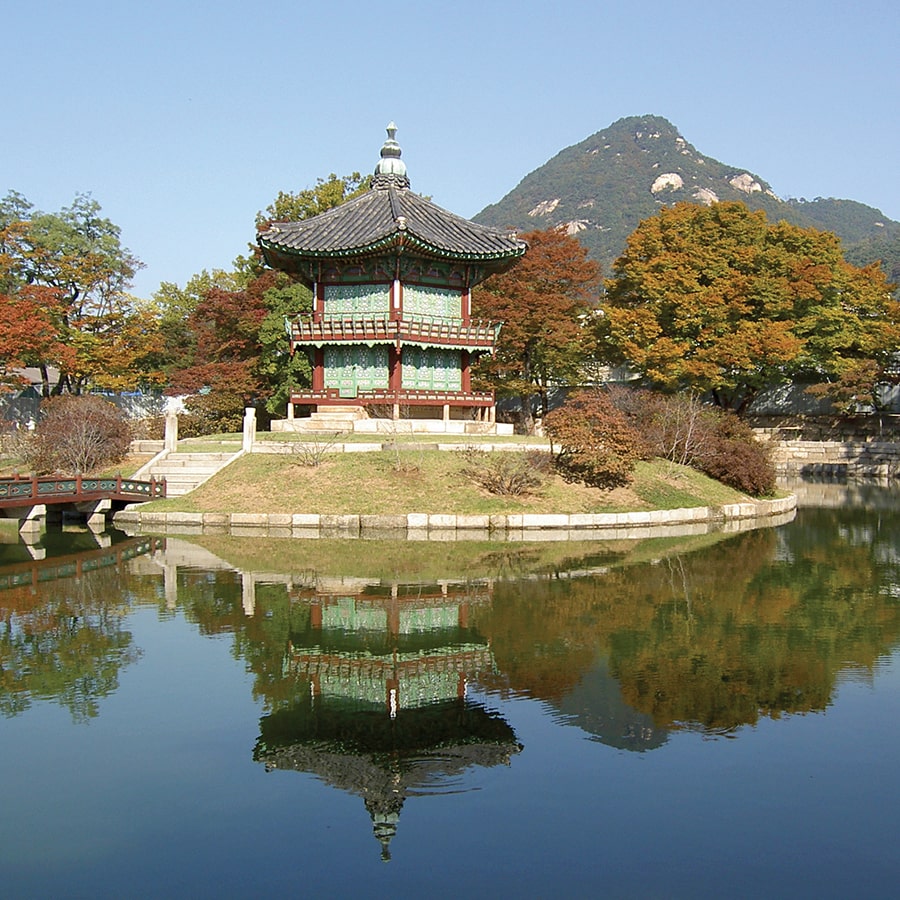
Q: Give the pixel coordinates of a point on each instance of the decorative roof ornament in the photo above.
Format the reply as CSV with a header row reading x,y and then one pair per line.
x,y
386,221
391,170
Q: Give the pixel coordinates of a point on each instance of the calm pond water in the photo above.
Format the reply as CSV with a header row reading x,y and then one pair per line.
x,y
684,717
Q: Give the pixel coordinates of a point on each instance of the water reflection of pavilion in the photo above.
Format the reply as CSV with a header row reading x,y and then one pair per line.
x,y
386,715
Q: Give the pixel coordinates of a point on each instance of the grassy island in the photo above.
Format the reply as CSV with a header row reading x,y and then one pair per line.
x,y
427,481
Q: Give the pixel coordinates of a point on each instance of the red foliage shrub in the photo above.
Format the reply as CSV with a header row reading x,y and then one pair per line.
x,y
733,456
597,445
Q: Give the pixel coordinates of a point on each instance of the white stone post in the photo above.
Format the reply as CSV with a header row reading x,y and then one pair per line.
x,y
248,593
249,429
171,440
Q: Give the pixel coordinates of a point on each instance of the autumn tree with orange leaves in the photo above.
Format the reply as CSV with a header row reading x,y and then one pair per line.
x,y
716,299
67,273
28,333
542,303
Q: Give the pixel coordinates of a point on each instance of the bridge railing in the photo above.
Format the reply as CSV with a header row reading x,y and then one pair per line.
x,y
19,491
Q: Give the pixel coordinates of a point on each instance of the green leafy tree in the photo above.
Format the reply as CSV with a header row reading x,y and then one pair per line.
x,y
542,302
304,204
225,331
718,299
174,307
77,253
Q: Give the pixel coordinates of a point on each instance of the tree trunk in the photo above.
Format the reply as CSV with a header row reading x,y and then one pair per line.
x,y
526,420
45,380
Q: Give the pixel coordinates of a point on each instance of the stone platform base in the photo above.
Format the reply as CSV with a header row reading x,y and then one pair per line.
x,y
332,425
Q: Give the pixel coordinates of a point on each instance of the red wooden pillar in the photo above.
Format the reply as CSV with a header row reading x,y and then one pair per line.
x,y
395,369
318,372
466,374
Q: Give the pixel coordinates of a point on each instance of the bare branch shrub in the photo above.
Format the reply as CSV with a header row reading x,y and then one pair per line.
x,y
506,473
675,427
77,434
396,429
685,430
310,453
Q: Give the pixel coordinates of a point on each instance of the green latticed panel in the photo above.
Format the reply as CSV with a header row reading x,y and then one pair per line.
x,y
357,301
431,303
429,618
430,369
345,614
356,368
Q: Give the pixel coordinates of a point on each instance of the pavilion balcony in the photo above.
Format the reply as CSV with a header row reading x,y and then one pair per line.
x,y
387,397
421,331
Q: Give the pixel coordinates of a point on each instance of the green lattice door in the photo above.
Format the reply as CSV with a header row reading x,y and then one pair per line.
x,y
355,369
430,369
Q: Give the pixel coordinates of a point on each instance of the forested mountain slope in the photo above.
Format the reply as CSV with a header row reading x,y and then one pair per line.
x,y
602,187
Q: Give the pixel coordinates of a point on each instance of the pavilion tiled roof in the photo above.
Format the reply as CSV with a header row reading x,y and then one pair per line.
x,y
387,218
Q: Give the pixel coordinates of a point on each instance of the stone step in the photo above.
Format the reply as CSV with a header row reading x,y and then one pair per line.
x,y
353,412
185,471
185,466
189,458
184,474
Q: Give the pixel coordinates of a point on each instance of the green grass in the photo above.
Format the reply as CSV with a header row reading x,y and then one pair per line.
x,y
423,561
425,481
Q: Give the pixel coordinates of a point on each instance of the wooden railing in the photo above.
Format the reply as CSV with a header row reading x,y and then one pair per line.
x,y
35,572
19,491
435,332
379,396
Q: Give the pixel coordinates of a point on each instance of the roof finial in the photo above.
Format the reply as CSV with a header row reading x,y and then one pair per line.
x,y
391,170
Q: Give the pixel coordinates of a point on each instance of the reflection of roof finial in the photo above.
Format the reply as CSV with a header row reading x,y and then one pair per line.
x,y
385,813
391,170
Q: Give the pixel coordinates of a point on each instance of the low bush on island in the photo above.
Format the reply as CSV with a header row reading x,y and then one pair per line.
x,y
599,435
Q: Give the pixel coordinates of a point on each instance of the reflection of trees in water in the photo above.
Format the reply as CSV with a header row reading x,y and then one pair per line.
x,y
64,639
756,624
760,624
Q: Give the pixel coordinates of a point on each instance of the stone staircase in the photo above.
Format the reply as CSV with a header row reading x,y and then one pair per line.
x,y
326,419
185,471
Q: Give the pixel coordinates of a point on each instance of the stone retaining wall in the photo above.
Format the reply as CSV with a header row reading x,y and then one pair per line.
x,y
879,459
425,526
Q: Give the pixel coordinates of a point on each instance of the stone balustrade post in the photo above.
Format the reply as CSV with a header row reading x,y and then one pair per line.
x,y
249,429
171,438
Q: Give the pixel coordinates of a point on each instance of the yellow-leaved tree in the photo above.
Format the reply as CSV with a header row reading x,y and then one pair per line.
x,y
717,299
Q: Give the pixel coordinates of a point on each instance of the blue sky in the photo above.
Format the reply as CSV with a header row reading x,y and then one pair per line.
x,y
183,119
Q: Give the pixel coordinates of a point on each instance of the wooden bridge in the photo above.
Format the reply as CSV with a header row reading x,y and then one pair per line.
x,y
38,499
